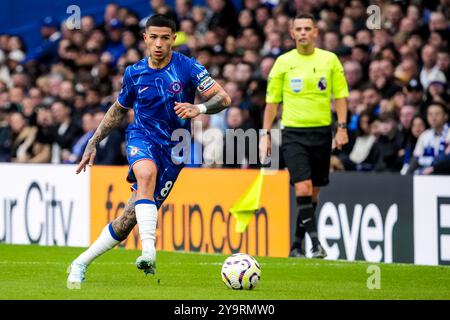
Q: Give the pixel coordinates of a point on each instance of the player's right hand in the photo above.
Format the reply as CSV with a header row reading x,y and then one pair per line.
x,y
88,157
265,148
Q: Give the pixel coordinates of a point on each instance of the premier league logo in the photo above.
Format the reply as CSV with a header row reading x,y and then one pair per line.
x,y
322,84
175,87
296,85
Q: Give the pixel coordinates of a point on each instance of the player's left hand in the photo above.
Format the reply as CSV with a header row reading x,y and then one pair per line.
x,y
186,110
341,138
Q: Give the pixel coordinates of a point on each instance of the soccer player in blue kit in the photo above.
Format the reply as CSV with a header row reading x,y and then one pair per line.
x,y
161,90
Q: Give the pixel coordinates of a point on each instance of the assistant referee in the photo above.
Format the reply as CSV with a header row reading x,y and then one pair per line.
x,y
305,80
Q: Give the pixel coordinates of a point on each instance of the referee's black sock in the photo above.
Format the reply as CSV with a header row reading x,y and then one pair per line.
x,y
299,233
308,218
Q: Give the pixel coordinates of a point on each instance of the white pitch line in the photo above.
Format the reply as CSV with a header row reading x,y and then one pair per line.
x,y
275,264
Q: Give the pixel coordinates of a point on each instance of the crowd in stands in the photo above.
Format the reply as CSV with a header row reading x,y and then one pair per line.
x,y
53,97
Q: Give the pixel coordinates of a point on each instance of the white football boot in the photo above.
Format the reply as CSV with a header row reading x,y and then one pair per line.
x,y
76,276
147,262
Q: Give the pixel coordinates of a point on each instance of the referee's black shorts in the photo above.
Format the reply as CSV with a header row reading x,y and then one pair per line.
x,y
307,153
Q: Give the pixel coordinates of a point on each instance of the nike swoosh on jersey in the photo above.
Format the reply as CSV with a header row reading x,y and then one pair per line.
x,y
142,90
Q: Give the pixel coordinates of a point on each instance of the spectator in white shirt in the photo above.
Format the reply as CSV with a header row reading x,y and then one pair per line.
x,y
434,142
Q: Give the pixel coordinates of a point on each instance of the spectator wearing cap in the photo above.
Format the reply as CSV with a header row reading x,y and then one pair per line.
x,y
47,52
415,96
15,58
114,47
437,88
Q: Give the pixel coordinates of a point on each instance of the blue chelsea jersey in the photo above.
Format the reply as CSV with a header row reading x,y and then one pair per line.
x,y
152,94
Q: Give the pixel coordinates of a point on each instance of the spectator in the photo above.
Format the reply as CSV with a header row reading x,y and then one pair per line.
x,y
47,52
233,154
390,142
437,88
43,143
429,69
407,113
364,154
5,137
23,137
443,61
64,132
207,145
432,143
415,95
353,74
114,47
355,107
372,99
224,19
418,126
75,154
84,68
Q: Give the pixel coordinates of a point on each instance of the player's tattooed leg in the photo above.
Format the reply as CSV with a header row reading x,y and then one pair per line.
x,y
123,225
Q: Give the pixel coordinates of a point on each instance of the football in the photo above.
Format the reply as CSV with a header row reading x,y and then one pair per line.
x,y
241,271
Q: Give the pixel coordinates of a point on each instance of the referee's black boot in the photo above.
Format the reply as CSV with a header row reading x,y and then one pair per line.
x,y
318,252
297,253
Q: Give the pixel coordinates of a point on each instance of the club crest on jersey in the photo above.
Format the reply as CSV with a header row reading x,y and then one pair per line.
x,y
296,85
322,84
175,87
134,151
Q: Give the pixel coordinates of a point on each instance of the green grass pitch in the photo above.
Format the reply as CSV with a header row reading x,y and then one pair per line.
x,y
37,272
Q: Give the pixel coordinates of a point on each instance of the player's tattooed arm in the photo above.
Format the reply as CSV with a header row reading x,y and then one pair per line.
x,y
217,100
112,119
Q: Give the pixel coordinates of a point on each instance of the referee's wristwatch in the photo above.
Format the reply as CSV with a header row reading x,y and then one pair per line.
x,y
342,125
